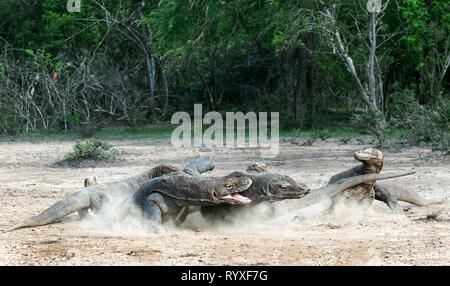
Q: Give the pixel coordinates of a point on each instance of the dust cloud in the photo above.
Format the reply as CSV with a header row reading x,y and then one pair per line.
x,y
120,217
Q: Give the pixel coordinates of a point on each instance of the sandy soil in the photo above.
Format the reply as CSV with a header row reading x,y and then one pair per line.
x,y
30,182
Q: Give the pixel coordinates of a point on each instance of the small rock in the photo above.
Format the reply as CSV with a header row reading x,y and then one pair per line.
x,y
132,253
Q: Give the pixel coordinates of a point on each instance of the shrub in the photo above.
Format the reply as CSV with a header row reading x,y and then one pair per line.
x,y
92,149
425,123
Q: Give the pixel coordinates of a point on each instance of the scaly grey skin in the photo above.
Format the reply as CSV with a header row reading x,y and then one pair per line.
x,y
372,163
275,187
335,188
389,193
92,197
257,168
265,187
168,196
171,196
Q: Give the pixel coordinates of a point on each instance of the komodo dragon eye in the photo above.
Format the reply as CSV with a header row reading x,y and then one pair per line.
x,y
230,183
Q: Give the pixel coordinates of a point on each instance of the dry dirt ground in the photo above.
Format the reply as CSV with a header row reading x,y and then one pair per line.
x,y
30,182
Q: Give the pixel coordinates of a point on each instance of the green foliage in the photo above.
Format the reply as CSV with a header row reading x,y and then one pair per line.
x,y
240,55
9,126
425,123
426,38
372,120
75,118
441,111
92,149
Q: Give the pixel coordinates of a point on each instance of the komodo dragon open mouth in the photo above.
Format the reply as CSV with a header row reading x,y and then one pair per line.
x,y
238,198
233,190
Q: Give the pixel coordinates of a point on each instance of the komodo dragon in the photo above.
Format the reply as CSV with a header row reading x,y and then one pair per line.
x,y
159,200
275,187
372,163
180,189
172,195
389,193
92,197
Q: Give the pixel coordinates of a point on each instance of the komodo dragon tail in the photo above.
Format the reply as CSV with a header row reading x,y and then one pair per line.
x,y
332,189
412,197
88,198
72,203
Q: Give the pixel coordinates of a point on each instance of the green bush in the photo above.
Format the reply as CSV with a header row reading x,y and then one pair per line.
x,y
9,127
425,123
92,149
441,111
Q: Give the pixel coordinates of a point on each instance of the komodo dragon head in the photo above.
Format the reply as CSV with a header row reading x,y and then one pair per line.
x,y
196,190
257,168
371,158
283,187
279,187
272,187
90,181
227,190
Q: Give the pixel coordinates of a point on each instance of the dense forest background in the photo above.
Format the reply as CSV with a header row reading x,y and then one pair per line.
x,y
318,63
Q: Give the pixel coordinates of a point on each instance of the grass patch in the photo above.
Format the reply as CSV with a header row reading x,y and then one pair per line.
x,y
107,133
325,133
148,132
164,131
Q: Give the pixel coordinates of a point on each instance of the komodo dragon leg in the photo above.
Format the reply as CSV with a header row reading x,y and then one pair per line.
x,y
194,167
391,193
382,194
153,208
96,204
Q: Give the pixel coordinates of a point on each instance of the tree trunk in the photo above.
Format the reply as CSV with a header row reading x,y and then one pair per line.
x,y
166,90
309,81
371,69
213,96
288,86
386,86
